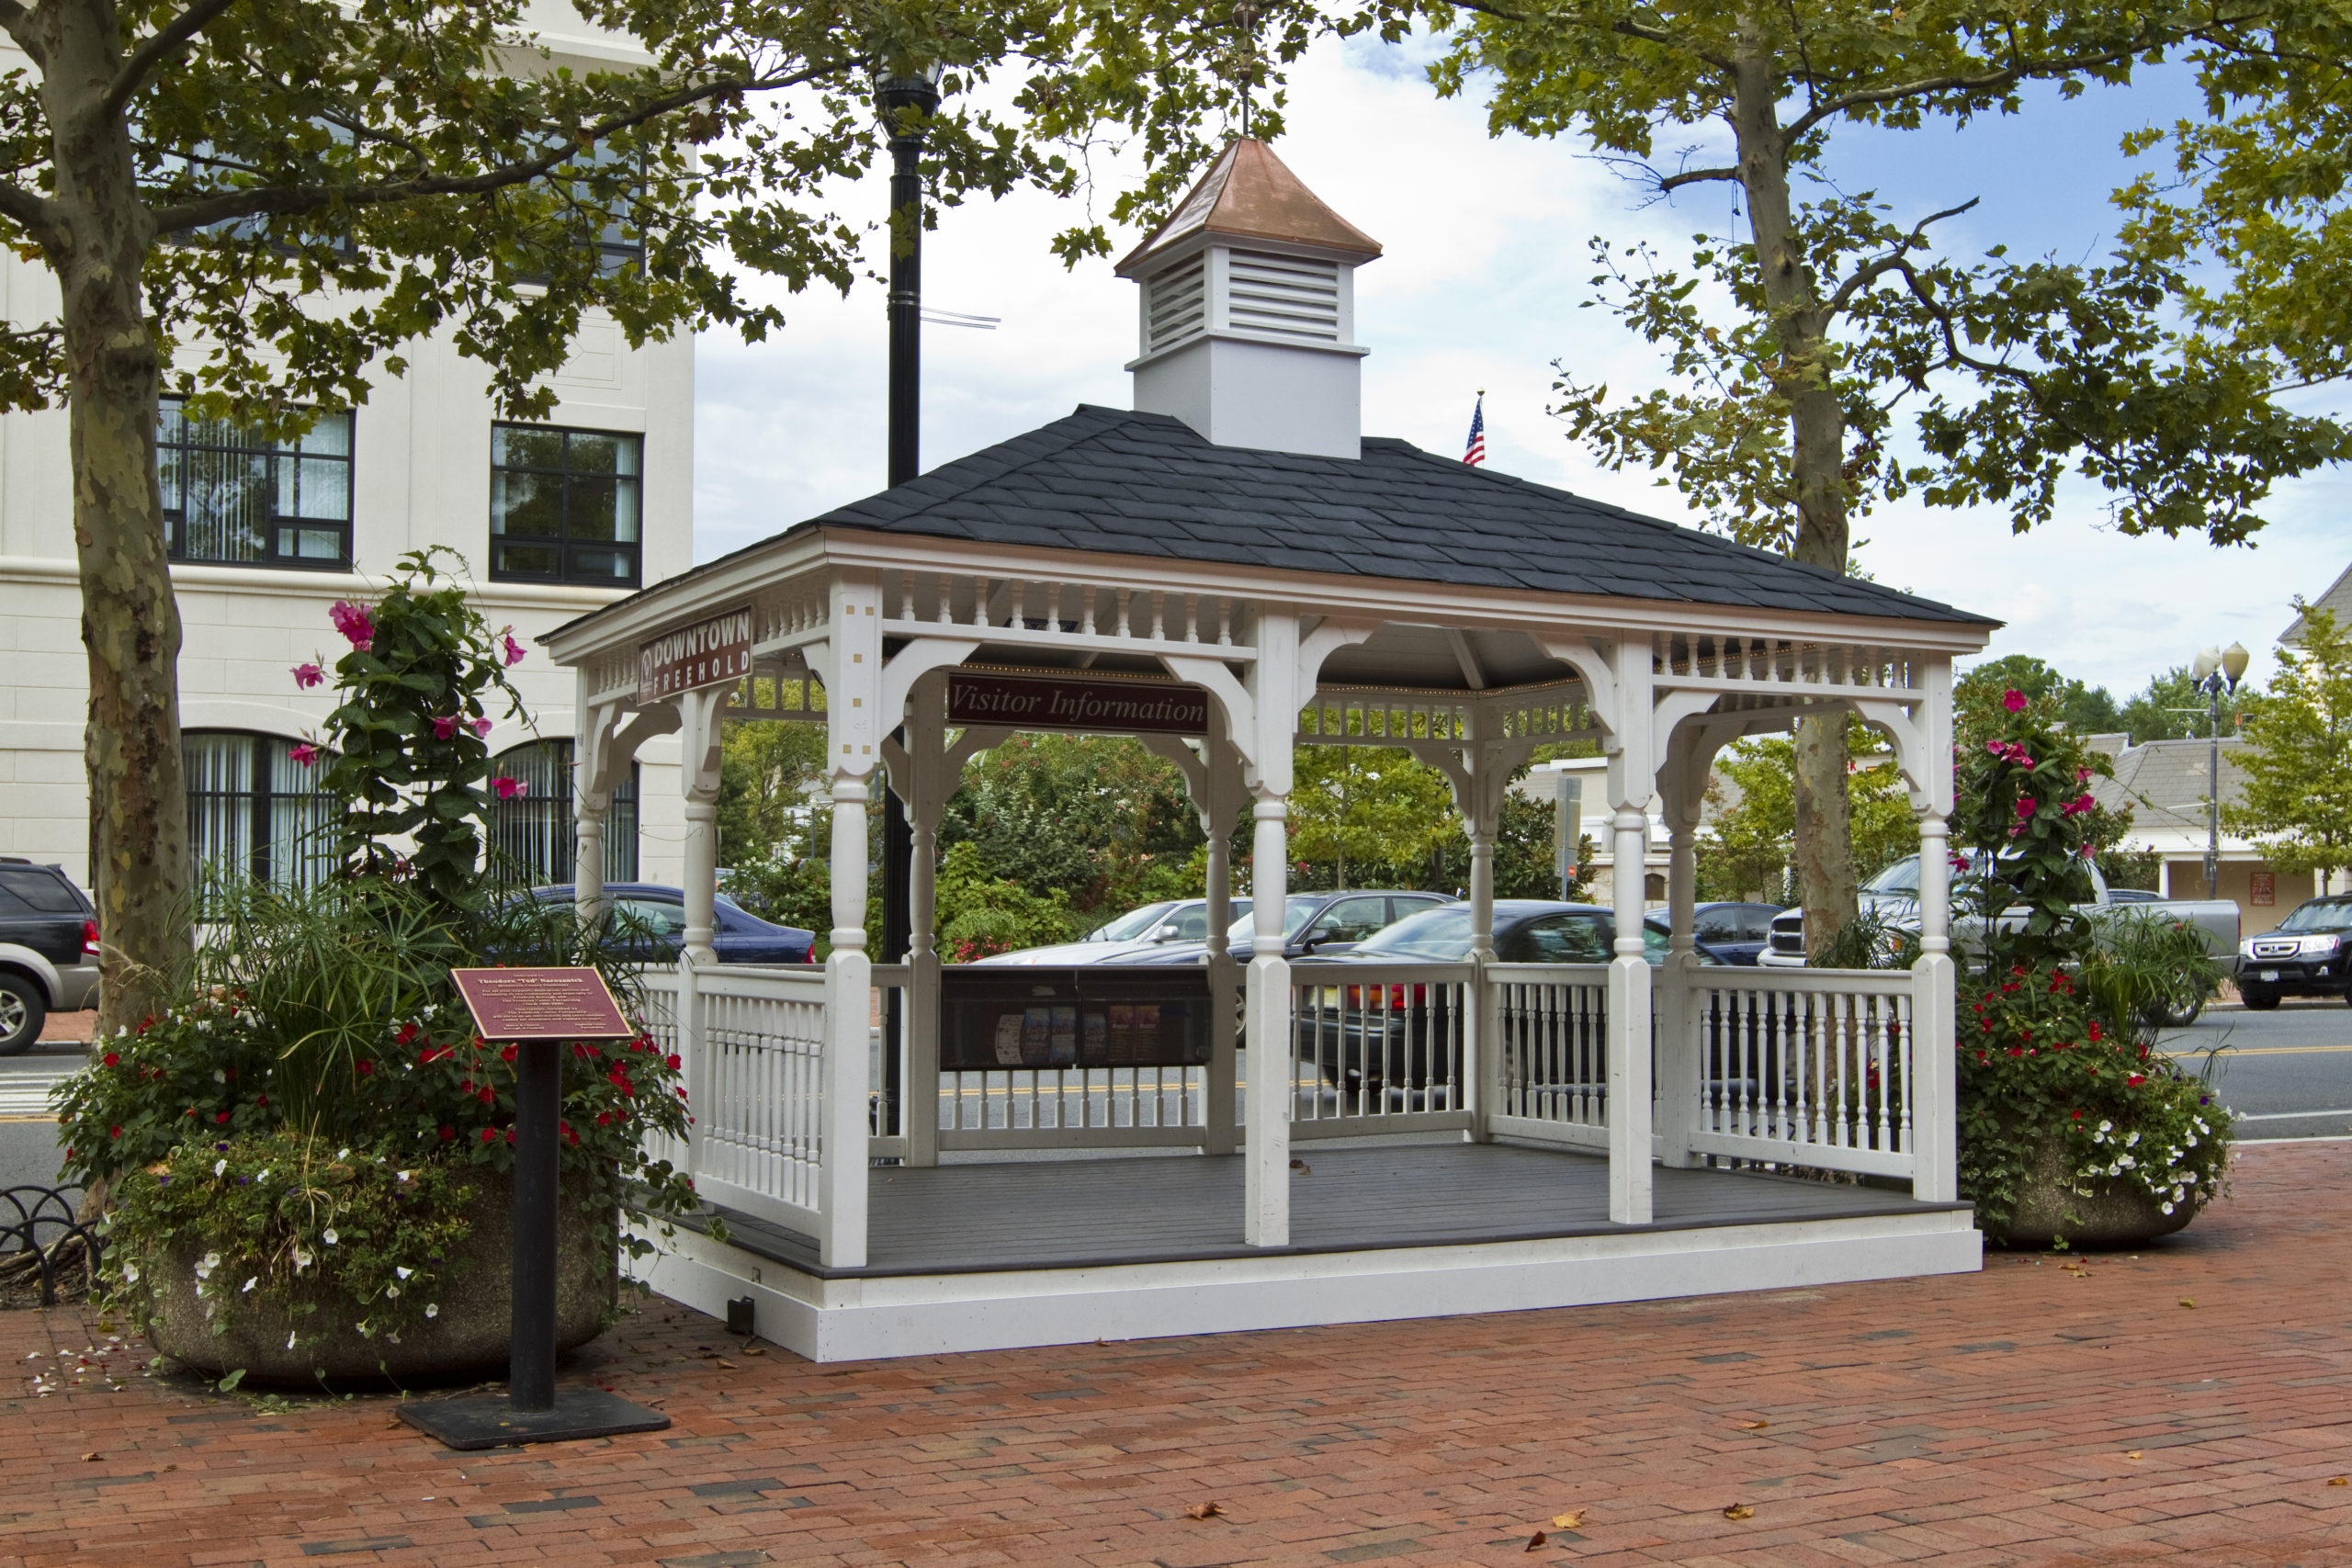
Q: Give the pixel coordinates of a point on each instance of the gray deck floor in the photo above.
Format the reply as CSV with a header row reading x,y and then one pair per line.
x,y
1060,1213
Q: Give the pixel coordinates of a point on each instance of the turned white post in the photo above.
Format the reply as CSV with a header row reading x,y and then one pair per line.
x,y
698,773
851,693
1633,779
1274,718
926,748
1482,1040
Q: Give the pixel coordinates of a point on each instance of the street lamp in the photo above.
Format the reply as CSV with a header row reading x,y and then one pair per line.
x,y
2216,671
903,99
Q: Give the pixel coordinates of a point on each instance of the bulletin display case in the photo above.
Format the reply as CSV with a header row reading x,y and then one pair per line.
x,y
995,1018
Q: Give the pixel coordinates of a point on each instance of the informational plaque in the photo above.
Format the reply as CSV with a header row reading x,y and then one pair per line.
x,y
1098,707
523,1005
709,653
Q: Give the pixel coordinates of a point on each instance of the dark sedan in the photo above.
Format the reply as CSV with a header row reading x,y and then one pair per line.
x,y
1407,1036
1315,925
1737,934
656,917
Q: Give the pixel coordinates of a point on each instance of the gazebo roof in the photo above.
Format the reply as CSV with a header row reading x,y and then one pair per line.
x,y
1111,481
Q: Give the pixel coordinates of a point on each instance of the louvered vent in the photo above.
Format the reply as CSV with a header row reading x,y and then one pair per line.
x,y
1284,296
1176,305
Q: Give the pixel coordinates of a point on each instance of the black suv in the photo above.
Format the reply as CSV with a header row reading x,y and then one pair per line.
x,y
49,947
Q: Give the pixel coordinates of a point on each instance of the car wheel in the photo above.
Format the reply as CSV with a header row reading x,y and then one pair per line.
x,y
2258,999
2179,1013
22,1011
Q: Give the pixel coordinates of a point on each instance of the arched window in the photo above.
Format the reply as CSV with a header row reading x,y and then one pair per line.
x,y
253,811
531,835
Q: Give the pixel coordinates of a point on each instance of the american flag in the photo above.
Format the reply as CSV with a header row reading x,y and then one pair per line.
x,y
1477,452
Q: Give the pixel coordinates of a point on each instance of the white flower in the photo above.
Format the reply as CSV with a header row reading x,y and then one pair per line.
x,y
328,1235
2168,1208
2107,1126
344,1155
403,1273
391,1289
2192,1140
262,1177
218,1165
2133,1140
301,1261
404,1175
2129,1163
433,1309
130,1273
220,1076
289,1342
249,1284
206,1264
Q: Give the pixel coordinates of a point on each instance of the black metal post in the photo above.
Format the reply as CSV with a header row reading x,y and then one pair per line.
x,y
530,1371
896,97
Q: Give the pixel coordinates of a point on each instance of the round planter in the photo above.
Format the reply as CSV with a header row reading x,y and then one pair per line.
x,y
2050,1209
468,1338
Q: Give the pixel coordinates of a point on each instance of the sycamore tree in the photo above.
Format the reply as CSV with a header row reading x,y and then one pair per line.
x,y
1794,337
262,204
1750,842
2296,797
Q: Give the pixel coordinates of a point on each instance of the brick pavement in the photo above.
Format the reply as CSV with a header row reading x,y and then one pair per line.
x,y
2030,1414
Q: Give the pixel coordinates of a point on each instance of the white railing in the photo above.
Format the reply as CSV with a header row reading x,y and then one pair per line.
x,y
1807,1068
1046,1107
1549,1025
1381,1047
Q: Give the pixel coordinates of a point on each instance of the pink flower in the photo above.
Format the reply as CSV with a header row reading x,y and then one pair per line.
x,y
2076,807
304,754
2025,807
2014,700
513,649
444,727
481,727
508,789
307,675
1997,748
352,621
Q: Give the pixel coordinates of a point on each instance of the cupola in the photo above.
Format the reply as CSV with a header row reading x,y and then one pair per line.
x,y
1248,311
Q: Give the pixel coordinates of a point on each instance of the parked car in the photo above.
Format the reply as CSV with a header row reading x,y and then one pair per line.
x,y
657,916
48,950
1738,933
1138,932
1894,894
1314,925
2308,954
1398,1035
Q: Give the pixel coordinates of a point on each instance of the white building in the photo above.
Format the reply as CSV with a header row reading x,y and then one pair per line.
x,y
555,518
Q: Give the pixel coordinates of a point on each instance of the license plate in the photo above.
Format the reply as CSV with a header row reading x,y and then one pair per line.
x,y
2271,973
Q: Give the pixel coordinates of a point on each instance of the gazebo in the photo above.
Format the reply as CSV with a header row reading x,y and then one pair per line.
x,y
1229,571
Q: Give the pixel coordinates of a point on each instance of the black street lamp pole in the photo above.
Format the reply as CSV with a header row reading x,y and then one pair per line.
x,y
897,98
2216,671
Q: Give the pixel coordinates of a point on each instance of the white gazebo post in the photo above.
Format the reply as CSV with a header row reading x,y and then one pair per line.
x,y
1275,682
1935,1148
698,776
1631,781
853,689
1681,1058
590,806
926,730
1485,778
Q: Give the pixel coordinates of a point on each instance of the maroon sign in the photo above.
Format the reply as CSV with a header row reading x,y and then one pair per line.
x,y
541,1004
1103,707
709,653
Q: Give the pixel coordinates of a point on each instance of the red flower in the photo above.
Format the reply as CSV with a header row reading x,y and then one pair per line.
x,y
113,1060
675,1062
364,1068
261,1100
508,789
115,1132
2014,700
223,1116
507,1054
448,1133
603,1118
510,1134
2135,1080
487,1095
487,1135
2095,1034
2078,1115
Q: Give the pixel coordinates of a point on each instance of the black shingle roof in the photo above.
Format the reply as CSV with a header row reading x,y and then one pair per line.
x,y
1107,481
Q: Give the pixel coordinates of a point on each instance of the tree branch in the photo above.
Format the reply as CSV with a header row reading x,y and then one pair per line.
x,y
16,21
1694,177
1871,271
281,201
35,213
159,47
1625,27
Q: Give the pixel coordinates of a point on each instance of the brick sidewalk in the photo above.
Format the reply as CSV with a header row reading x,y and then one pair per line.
x,y
2028,1415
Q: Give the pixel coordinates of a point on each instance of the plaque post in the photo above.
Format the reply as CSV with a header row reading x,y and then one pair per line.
x,y
540,1012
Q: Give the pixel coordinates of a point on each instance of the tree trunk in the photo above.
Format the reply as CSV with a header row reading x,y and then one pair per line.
x,y
130,625
1823,850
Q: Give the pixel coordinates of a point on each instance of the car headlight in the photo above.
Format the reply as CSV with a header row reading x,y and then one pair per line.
x,y
2322,944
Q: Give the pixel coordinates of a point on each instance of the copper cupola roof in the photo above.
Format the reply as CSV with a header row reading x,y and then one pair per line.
x,y
1249,194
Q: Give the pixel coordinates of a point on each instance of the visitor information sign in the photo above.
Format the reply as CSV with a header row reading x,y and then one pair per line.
x,y
519,1005
1098,707
709,653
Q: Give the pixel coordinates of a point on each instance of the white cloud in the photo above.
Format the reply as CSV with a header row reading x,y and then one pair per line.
x,y
1486,270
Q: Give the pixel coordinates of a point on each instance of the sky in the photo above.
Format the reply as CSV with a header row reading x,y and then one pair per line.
x,y
1483,286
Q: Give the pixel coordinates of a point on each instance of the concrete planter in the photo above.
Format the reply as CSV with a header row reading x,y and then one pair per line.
x,y
468,1339
2050,1210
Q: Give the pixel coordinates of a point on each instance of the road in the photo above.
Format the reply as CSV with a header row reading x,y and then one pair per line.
x,y
2288,1074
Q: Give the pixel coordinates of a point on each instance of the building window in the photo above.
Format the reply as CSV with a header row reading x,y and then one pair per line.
x,y
563,505
232,499
254,812
531,842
